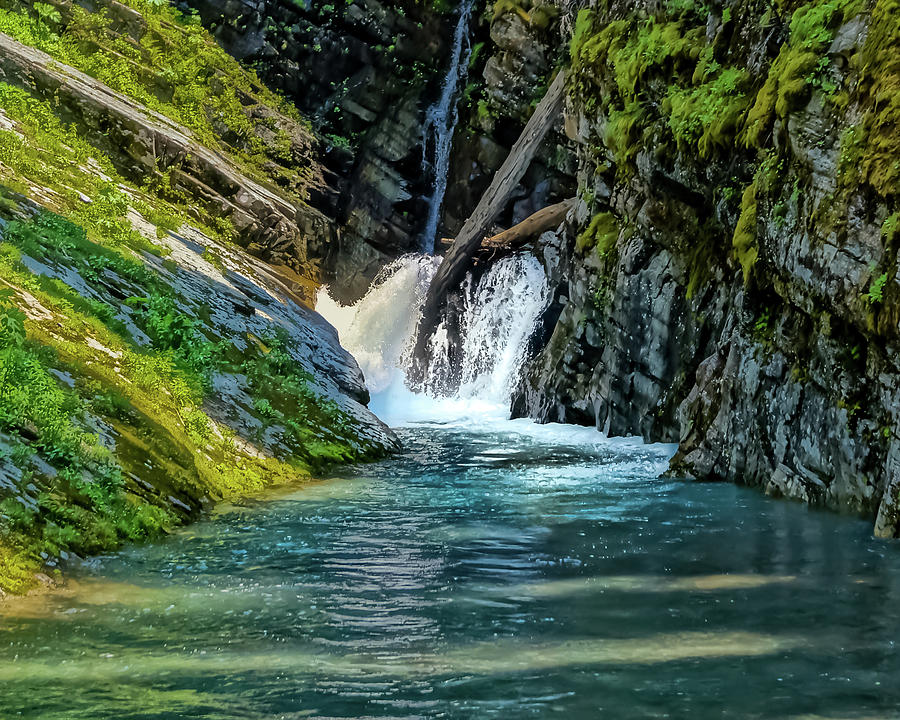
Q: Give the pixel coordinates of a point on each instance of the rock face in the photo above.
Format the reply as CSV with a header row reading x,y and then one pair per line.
x,y
516,51
364,72
734,287
150,365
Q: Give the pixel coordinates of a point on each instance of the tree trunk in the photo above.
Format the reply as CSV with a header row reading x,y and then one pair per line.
x,y
531,227
458,259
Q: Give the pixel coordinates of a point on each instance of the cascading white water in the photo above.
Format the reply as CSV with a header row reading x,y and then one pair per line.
x,y
499,316
377,329
502,315
440,124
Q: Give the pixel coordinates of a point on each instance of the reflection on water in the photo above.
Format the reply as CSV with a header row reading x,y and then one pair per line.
x,y
498,574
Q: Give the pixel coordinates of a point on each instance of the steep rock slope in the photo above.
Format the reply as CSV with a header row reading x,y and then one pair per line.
x,y
734,284
189,120
149,366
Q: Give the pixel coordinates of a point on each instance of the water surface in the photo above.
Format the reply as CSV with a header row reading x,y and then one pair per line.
x,y
504,571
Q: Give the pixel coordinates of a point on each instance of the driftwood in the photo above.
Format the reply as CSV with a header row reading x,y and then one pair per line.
x,y
519,235
531,227
458,259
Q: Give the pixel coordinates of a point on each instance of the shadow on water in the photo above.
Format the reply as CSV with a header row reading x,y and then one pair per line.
x,y
497,573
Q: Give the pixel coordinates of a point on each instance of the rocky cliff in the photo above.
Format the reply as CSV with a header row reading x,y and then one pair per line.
x,y
366,73
149,365
729,281
517,51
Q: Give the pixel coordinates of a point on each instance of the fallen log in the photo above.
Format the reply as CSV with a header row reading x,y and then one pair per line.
x,y
458,259
520,234
531,227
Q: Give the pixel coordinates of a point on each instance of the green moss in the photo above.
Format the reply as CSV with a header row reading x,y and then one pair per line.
x,y
613,62
43,151
889,229
151,397
175,68
702,259
589,49
625,132
799,66
536,14
502,7
744,241
879,64
707,117
83,506
628,52
656,46
543,16
316,430
586,26
600,235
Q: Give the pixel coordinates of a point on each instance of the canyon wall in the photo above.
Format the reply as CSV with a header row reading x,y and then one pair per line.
x,y
729,281
151,364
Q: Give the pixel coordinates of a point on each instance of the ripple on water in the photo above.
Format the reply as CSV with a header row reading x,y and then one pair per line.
x,y
513,574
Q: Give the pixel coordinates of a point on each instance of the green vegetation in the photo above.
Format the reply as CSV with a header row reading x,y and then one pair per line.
x,y
315,429
875,295
150,398
889,229
681,83
107,374
704,104
44,151
799,66
84,509
879,64
537,14
598,243
175,68
744,241
707,117
600,235
625,132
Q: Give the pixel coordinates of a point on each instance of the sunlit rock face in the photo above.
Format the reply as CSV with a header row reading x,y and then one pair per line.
x,y
729,280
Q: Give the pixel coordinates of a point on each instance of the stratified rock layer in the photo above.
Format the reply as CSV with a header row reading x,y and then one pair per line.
x,y
364,73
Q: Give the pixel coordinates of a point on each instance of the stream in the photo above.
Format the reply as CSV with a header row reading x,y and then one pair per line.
x,y
508,572
493,569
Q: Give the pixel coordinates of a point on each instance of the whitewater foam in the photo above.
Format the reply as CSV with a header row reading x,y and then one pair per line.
x,y
499,315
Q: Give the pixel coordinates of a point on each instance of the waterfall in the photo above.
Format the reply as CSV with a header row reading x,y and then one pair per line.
x,y
500,313
499,316
440,124
377,329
